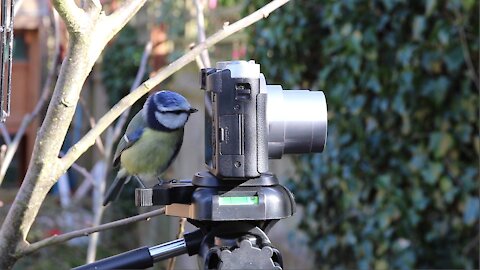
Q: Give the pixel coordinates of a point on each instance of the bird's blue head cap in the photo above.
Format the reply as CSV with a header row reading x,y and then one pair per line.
x,y
167,110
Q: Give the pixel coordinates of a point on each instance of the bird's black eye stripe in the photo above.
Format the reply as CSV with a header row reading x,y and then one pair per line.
x,y
176,111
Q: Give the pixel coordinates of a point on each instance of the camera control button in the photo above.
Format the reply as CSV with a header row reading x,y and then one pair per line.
x,y
221,134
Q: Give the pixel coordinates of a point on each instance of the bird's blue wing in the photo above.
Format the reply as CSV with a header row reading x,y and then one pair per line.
x,y
126,142
133,132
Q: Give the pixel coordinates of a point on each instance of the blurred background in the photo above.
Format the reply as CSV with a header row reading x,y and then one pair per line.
x,y
397,185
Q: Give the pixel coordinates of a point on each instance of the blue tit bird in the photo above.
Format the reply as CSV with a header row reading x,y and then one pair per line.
x,y
152,140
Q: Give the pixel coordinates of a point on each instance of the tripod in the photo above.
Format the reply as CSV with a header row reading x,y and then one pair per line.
x,y
232,219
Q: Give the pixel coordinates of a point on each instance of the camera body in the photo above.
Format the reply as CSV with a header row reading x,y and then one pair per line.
x,y
251,121
236,132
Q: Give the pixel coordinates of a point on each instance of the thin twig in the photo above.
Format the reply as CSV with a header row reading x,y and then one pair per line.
x,y
201,32
13,146
89,139
81,170
92,122
92,6
17,6
7,139
142,69
85,232
94,181
47,87
204,60
3,150
198,59
466,52
94,237
122,15
468,59
97,205
471,244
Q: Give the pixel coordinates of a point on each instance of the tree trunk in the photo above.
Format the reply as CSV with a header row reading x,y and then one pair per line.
x,y
45,168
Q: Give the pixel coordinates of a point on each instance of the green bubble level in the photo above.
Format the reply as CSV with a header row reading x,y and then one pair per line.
x,y
242,200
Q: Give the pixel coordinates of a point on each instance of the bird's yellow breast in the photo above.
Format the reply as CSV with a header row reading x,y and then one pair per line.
x,y
152,152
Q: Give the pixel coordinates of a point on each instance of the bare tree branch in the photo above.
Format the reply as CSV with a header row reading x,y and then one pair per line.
x,y
97,205
88,35
6,137
85,232
72,15
13,146
93,239
96,173
92,122
121,16
84,172
204,60
81,170
89,139
474,75
201,32
46,90
138,79
92,6
3,150
17,6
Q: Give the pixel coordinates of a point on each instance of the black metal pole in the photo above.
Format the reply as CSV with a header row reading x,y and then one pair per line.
x,y
3,34
145,257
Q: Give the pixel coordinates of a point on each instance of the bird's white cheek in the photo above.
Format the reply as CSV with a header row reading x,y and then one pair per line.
x,y
171,120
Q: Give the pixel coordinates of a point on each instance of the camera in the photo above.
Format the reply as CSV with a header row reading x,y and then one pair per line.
x,y
251,121
248,123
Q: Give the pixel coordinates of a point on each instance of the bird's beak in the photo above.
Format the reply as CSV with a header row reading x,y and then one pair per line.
x,y
192,110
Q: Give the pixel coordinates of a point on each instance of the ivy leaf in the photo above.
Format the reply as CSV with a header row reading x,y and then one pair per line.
x,y
405,54
418,27
453,58
468,4
430,6
432,172
471,211
440,143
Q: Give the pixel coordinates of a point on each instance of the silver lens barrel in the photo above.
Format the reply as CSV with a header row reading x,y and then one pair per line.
x,y
297,121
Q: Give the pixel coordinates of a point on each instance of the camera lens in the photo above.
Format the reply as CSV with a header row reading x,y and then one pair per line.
x,y
297,121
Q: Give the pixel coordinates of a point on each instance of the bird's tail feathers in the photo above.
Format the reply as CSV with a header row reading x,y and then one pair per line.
x,y
117,186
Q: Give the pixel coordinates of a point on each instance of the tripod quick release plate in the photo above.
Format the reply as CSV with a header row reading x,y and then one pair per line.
x,y
205,198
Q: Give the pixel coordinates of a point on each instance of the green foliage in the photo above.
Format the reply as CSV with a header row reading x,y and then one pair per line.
x,y
397,185
120,64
